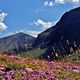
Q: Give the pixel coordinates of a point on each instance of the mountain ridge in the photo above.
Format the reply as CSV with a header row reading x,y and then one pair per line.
x,y
20,40
61,38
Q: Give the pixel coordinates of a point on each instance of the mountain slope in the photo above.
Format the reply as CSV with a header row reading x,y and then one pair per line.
x,y
62,37
18,42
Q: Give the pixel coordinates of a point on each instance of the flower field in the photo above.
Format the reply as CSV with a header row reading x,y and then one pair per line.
x,y
19,68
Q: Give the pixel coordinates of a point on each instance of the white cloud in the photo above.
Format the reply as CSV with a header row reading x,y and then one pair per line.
x,y
33,32
60,1
67,1
52,3
44,24
7,34
2,16
20,31
48,3
2,25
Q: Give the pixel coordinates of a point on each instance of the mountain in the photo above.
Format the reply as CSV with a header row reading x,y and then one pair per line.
x,y
16,43
63,38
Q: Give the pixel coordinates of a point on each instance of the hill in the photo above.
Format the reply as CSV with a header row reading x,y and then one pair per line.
x,y
16,43
61,39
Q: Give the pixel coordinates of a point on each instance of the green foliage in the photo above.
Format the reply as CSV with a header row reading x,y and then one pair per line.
x,y
3,60
73,57
36,53
14,66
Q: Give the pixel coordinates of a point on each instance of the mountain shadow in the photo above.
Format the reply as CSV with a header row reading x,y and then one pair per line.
x,y
63,38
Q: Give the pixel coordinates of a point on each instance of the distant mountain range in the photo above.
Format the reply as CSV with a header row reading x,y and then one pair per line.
x,y
16,43
58,41
63,38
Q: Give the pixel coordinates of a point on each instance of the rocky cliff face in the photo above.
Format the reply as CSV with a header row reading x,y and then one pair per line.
x,y
63,37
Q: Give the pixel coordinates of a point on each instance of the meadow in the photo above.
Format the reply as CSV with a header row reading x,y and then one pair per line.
x,y
25,68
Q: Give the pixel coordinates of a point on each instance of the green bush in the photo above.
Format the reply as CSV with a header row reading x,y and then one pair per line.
x,y
36,53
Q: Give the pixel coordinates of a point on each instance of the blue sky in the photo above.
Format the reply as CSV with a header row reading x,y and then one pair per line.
x,y
31,16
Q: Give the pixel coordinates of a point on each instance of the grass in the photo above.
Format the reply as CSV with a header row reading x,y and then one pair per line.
x,y
73,57
35,54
